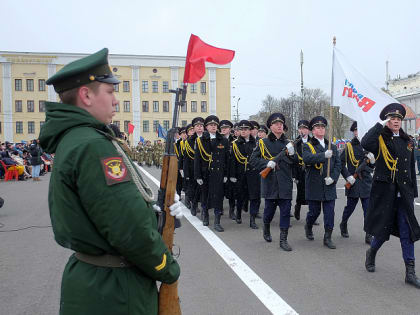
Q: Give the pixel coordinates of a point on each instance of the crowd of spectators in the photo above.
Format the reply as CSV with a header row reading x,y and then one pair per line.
x,y
27,158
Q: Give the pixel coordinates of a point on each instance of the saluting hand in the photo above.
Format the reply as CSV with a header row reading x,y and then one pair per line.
x,y
383,122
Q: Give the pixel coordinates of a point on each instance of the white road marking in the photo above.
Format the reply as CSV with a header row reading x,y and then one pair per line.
x,y
274,303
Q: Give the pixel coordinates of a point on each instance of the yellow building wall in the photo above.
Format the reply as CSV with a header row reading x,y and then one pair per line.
x,y
24,72
223,99
123,74
1,106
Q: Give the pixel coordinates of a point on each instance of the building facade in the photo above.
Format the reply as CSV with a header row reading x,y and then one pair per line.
x,y
407,91
143,94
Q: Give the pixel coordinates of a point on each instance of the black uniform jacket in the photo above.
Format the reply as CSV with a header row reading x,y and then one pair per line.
x,y
188,159
229,187
315,188
278,184
299,171
361,188
381,220
212,173
248,177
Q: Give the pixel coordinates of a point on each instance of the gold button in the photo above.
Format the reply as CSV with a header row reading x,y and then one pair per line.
x,y
405,183
405,171
405,159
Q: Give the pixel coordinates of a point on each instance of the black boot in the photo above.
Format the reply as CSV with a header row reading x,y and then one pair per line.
x,y
205,217
187,201
238,216
327,240
308,232
283,240
370,259
217,225
252,223
194,210
245,206
297,211
410,274
232,213
266,233
368,238
343,229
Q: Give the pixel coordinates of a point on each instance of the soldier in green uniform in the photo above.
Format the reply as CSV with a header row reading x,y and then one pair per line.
x,y
140,153
100,206
148,153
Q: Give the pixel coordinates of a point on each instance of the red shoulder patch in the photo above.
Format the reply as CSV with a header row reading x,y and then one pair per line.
x,y
115,170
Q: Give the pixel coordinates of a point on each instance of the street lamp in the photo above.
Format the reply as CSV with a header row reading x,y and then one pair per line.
x,y
237,110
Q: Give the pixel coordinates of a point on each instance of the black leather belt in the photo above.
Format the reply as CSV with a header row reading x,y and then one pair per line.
x,y
106,260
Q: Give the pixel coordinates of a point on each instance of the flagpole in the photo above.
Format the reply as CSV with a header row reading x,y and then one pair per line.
x,y
331,112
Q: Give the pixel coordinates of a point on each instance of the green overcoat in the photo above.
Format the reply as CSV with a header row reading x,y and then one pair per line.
x,y
97,209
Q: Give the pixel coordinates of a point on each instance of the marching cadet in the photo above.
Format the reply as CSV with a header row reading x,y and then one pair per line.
x,y
354,160
148,153
211,169
236,132
194,130
100,206
276,152
225,128
394,187
158,150
243,175
262,132
303,129
179,151
255,128
320,189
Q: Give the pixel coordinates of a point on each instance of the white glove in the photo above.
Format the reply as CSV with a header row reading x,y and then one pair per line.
x,y
383,122
176,208
351,180
233,179
271,164
182,173
296,181
371,158
224,179
290,148
328,154
328,181
200,182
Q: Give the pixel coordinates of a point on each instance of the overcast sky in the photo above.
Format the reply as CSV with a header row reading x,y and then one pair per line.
x,y
266,35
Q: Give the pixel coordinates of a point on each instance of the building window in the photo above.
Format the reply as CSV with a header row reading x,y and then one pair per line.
x,y
116,123
155,106
204,106
203,87
19,127
41,106
29,84
155,125
18,106
30,106
126,122
145,86
155,86
165,87
184,107
194,88
41,123
166,106
117,107
145,105
166,124
126,86
184,123
31,127
145,126
116,87
41,85
193,106
127,106
18,84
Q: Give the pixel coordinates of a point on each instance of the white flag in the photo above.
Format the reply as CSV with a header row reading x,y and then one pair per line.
x,y
356,97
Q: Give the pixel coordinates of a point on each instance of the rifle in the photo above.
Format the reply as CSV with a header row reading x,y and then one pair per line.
x,y
168,293
358,172
264,173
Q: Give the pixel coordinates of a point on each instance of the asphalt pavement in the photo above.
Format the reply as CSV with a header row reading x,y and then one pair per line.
x,y
312,279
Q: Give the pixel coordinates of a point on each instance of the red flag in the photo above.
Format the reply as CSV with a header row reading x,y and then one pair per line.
x,y
199,52
130,128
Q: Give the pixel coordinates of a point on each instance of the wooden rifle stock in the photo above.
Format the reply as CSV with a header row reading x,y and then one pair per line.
x,y
264,173
168,293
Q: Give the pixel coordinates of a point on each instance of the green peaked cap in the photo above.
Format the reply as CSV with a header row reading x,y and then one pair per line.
x,y
83,71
